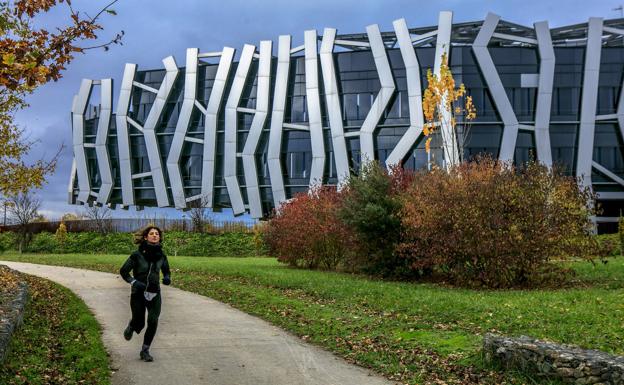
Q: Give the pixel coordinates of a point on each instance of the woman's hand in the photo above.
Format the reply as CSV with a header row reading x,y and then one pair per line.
x,y
166,280
139,285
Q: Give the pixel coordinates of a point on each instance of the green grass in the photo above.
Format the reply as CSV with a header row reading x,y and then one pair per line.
x,y
58,343
409,332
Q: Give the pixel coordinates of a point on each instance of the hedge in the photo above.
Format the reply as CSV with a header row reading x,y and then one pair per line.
x,y
175,243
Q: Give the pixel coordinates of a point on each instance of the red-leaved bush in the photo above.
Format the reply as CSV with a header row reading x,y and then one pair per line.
x,y
486,223
306,231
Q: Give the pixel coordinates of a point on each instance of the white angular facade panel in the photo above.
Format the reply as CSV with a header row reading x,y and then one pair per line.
x,y
414,95
367,140
589,99
188,103
101,142
544,93
149,131
123,138
277,121
313,101
259,119
334,109
499,96
231,130
210,129
443,43
78,123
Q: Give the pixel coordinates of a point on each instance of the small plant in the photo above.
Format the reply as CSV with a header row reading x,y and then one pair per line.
x,y
621,232
61,235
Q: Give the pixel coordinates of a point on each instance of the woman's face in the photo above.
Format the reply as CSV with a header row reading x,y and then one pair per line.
x,y
153,236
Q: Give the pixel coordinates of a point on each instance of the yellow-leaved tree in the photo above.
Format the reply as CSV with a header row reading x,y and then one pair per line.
x,y
448,114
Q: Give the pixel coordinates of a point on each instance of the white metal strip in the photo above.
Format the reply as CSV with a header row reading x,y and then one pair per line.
x,y
352,43
334,111
294,126
89,145
414,95
179,136
352,134
610,195
314,108
258,122
427,35
200,107
142,175
606,117
297,49
193,140
515,38
616,31
210,129
209,54
149,131
78,112
70,187
608,173
277,121
246,110
499,96
589,99
123,140
449,141
544,93
145,87
378,49
134,123
231,125
101,139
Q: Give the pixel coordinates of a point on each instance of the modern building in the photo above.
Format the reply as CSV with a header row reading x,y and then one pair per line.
x,y
248,130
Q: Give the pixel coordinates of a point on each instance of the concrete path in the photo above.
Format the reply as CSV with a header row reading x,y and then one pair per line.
x,y
199,340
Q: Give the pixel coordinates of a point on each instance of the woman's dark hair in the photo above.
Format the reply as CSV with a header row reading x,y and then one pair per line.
x,y
140,235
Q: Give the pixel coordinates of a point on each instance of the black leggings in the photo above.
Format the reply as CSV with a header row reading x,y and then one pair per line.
x,y
138,304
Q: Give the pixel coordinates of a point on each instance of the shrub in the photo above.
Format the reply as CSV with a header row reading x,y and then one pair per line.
x,y
370,207
43,243
175,242
608,245
487,223
61,235
306,231
621,233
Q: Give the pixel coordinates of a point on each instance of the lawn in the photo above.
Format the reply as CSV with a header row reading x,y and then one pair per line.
x,y
409,332
58,343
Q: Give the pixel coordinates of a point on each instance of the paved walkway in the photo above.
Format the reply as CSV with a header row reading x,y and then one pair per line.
x,y
199,340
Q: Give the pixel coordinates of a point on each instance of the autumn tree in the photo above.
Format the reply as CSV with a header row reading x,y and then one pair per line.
x,y
199,214
24,210
100,217
30,57
448,112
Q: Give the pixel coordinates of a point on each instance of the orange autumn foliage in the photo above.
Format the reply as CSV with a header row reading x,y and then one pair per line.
x,y
307,232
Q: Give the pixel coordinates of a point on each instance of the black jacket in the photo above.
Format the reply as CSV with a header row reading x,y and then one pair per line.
x,y
145,267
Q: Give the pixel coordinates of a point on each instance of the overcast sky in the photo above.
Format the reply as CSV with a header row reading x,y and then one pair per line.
x,y
155,29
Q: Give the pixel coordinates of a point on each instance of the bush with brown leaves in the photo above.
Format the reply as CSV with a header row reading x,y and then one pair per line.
x,y
306,231
486,223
